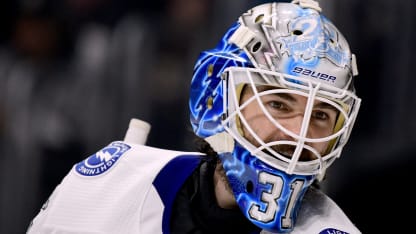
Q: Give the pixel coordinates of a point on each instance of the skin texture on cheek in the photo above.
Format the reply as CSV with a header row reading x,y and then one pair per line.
x,y
258,122
259,126
255,118
268,132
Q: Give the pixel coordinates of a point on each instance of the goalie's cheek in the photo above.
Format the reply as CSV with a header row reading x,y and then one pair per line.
x,y
261,126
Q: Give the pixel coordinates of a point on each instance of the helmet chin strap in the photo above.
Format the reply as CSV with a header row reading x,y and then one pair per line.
x,y
308,4
321,175
221,142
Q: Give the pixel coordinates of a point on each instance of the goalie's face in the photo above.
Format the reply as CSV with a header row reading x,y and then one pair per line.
x,y
288,110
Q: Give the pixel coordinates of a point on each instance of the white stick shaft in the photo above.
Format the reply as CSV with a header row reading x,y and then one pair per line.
x,y
137,132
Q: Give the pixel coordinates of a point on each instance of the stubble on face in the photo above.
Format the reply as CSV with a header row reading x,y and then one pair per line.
x,y
223,192
268,132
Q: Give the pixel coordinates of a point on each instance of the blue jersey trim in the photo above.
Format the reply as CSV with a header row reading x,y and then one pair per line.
x,y
170,179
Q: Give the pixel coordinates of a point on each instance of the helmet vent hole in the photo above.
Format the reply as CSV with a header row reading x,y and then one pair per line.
x,y
210,70
259,19
297,32
256,47
210,103
249,187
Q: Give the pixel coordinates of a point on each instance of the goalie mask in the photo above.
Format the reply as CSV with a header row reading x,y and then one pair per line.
x,y
275,99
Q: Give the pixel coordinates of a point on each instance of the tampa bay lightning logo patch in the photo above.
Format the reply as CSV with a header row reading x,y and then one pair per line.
x,y
103,160
332,231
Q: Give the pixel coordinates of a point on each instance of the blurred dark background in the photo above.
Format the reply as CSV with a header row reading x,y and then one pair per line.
x,y
73,73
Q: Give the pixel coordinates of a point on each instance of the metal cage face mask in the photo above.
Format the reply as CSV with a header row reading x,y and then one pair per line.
x,y
323,115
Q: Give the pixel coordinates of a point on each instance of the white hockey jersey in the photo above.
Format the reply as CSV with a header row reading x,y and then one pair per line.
x,y
130,188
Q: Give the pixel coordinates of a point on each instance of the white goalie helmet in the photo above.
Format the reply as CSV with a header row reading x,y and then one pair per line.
x,y
287,53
